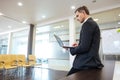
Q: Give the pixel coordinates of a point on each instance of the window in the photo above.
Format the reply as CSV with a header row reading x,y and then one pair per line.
x,y
46,46
20,42
3,44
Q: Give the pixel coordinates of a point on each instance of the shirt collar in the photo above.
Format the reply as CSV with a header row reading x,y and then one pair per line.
x,y
86,19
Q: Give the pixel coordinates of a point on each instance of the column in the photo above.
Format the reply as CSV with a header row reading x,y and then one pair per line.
x,y
31,41
72,36
9,43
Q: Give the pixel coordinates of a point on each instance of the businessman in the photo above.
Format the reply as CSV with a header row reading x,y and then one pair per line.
x,y
87,50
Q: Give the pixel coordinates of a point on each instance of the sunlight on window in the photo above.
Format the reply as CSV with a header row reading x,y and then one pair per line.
x,y
43,47
43,50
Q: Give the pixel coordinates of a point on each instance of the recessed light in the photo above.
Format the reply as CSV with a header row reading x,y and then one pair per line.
x,y
1,14
24,22
72,7
20,4
43,16
9,27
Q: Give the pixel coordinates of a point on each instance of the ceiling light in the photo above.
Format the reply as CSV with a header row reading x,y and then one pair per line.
x,y
43,16
9,27
1,14
24,22
20,4
72,7
96,19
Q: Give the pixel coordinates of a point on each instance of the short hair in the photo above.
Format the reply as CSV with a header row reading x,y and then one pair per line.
x,y
83,8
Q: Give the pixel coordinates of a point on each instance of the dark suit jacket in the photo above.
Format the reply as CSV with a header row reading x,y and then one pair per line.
x,y
87,52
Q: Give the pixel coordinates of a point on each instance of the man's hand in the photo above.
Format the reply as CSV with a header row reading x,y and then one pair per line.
x,y
65,48
75,45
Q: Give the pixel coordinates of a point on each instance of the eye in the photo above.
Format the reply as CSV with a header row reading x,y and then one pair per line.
x,y
77,16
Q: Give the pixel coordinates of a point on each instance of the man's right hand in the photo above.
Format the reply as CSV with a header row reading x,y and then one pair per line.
x,y
65,48
75,45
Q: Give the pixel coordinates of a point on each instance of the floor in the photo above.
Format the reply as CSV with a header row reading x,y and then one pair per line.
x,y
45,71
62,65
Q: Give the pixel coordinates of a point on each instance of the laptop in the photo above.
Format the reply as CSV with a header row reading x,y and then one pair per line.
x,y
61,43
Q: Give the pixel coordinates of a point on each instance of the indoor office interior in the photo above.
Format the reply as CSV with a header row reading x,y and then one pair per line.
x,y
37,38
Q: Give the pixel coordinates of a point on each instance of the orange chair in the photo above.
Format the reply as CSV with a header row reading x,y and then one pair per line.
x,y
32,60
8,63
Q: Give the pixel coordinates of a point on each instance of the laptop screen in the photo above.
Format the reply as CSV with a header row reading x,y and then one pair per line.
x,y
59,40
61,43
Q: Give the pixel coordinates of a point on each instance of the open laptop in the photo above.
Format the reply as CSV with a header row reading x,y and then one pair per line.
x,y
61,43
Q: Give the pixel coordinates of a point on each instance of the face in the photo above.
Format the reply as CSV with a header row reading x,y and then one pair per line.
x,y
80,16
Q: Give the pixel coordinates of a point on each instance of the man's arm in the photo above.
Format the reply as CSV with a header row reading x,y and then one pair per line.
x,y
86,39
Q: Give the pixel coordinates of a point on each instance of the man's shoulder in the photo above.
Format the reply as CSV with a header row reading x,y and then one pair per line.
x,y
91,22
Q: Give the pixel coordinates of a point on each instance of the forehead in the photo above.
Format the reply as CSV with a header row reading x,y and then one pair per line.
x,y
77,13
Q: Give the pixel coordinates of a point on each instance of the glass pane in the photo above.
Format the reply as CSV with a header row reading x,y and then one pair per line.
x,y
20,42
3,44
46,46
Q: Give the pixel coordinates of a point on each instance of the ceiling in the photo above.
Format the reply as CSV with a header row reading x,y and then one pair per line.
x,y
33,10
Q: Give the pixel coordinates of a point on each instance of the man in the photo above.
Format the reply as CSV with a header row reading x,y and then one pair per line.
x,y
87,56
